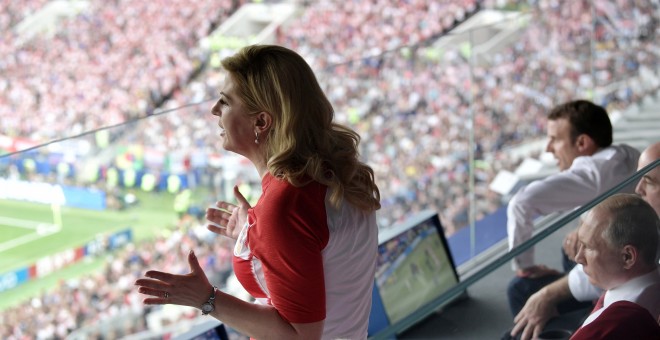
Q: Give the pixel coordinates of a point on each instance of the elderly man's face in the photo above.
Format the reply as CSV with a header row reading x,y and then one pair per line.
x,y
649,186
602,262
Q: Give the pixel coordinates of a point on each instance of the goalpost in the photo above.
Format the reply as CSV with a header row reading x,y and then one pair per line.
x,y
57,214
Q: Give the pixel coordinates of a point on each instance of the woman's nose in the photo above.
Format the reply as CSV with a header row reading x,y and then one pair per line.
x,y
215,110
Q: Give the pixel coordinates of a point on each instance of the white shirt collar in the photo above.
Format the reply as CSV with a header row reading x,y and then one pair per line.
x,y
630,290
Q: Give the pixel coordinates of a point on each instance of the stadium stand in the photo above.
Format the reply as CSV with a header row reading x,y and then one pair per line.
x,y
104,65
105,305
426,90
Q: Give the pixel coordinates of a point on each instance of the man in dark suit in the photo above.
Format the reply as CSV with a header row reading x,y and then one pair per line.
x,y
619,252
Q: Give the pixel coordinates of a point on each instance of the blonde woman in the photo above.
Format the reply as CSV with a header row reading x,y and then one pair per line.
x,y
307,250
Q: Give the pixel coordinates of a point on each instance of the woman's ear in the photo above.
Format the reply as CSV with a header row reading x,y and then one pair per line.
x,y
263,122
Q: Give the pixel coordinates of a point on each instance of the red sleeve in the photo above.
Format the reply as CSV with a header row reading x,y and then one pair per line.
x,y
288,238
621,320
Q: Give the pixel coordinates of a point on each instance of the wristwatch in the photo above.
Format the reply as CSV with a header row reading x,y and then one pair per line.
x,y
208,306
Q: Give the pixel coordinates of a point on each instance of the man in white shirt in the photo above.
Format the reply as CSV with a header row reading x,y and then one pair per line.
x,y
580,138
542,306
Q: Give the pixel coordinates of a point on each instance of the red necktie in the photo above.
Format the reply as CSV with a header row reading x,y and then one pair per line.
x,y
599,303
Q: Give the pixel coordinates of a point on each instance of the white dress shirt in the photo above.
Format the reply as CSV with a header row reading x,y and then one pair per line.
x,y
588,177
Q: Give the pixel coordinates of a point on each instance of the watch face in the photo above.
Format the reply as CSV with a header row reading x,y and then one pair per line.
x,y
207,308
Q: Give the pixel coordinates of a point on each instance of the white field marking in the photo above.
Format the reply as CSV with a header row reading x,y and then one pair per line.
x,y
15,222
40,230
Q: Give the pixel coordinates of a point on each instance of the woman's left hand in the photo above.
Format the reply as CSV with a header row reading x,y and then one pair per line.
x,y
192,289
228,219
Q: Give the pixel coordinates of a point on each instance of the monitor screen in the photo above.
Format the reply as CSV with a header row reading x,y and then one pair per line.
x,y
414,267
210,329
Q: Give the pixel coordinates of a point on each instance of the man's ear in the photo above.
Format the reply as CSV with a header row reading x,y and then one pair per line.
x,y
585,145
629,256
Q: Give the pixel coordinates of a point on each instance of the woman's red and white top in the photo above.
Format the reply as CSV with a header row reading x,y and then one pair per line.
x,y
308,259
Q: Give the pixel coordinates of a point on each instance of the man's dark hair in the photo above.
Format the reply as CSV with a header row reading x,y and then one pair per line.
x,y
586,118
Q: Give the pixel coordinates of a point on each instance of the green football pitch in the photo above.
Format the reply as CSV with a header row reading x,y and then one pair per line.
x,y
423,274
30,232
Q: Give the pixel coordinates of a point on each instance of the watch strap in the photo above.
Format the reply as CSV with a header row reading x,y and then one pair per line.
x,y
210,301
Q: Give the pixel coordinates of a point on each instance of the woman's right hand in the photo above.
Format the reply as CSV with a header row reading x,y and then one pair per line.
x,y
228,219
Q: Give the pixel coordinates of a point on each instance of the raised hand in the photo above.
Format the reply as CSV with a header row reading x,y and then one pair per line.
x,y
227,219
190,289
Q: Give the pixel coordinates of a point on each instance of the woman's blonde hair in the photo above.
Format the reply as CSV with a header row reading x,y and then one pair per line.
x,y
304,143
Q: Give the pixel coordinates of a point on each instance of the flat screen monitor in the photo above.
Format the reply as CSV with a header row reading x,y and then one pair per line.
x,y
210,329
414,268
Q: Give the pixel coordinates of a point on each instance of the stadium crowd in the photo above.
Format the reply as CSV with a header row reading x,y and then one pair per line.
x,y
15,11
101,67
410,101
413,105
369,28
109,295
